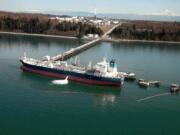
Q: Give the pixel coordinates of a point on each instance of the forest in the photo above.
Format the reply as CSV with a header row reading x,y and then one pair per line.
x,y
148,30
47,26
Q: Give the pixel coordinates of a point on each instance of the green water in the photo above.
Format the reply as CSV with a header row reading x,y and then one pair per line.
x,y
30,104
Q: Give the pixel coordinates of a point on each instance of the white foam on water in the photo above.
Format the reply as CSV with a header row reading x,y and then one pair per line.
x,y
61,82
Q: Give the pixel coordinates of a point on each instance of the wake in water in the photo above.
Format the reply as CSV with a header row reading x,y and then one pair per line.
x,y
150,97
61,82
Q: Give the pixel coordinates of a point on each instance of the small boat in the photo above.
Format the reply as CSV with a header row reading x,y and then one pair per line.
x,y
155,83
130,76
174,88
61,82
141,80
143,83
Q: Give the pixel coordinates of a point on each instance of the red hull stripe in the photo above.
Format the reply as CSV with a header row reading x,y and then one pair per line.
x,y
72,78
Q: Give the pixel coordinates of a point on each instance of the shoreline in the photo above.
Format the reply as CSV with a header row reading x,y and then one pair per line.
x,y
140,41
37,35
103,39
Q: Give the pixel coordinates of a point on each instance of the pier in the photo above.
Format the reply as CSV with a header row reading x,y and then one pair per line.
x,y
74,51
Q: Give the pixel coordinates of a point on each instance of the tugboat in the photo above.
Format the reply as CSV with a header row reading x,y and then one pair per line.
x,y
130,77
104,73
155,83
143,83
174,88
146,84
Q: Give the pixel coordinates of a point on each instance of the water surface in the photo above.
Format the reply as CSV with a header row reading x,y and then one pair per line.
x,y
30,104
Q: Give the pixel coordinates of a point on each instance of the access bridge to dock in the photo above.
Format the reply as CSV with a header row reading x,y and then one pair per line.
x,y
74,51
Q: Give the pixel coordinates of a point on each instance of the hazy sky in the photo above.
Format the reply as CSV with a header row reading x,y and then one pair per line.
x,y
102,6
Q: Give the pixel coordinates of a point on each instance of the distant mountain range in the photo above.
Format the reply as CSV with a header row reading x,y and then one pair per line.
x,y
119,16
154,16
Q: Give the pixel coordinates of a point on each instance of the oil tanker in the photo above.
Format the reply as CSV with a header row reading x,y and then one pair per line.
x,y
103,73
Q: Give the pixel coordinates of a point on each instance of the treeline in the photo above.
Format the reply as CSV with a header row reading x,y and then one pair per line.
x,y
80,28
32,25
148,31
35,25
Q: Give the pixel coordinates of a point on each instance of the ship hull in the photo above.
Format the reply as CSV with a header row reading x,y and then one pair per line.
x,y
73,76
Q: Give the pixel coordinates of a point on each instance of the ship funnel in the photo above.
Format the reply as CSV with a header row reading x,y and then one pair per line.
x,y
112,63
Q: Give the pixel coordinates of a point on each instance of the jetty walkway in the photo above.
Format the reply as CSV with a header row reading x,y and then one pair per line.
x,y
74,51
